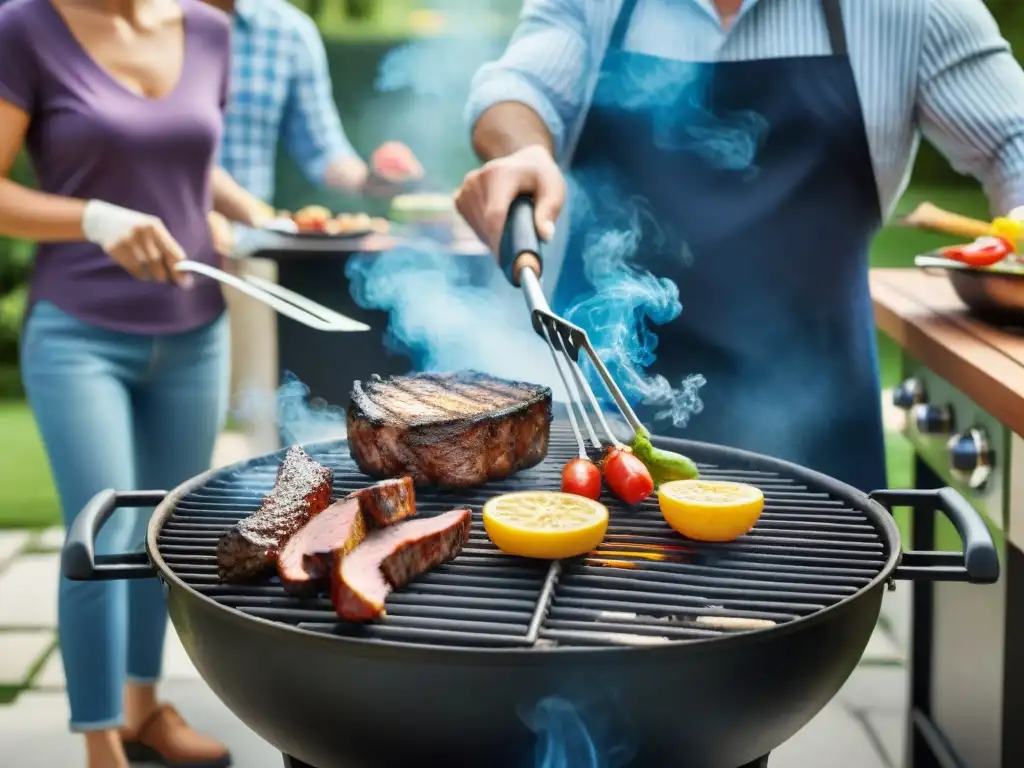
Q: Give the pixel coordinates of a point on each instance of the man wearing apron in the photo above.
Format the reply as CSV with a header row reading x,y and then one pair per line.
x,y
776,310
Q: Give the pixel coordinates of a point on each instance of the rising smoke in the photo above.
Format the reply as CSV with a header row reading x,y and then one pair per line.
x,y
298,418
627,301
675,94
581,732
444,322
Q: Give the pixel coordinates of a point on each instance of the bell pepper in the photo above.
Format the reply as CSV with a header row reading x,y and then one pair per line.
x,y
1009,228
983,252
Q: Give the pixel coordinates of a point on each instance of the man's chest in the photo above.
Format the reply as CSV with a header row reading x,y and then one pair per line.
x,y
260,76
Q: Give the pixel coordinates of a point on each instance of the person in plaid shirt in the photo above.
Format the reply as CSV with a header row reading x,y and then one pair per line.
x,y
281,91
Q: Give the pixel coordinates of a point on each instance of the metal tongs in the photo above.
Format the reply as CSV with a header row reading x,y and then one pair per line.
x,y
520,258
287,302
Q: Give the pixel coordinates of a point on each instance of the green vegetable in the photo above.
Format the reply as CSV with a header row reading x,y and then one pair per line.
x,y
664,466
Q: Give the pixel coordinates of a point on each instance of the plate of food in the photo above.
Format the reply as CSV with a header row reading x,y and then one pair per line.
x,y
317,221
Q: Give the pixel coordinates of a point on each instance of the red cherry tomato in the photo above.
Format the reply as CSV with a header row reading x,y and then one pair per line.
x,y
582,478
983,252
627,477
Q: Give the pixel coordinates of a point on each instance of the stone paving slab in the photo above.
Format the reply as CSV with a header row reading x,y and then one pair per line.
x,y
19,654
882,649
874,688
11,543
897,607
50,540
833,739
890,731
28,592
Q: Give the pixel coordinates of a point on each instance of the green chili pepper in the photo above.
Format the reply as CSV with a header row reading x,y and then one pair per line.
x,y
664,466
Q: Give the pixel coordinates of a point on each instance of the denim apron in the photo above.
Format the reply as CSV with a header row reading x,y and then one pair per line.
x,y
771,258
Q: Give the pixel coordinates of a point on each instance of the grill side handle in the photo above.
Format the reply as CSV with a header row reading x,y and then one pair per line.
x,y
79,561
979,561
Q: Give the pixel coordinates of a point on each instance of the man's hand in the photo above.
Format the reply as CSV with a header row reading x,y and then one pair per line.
x,y
394,162
484,198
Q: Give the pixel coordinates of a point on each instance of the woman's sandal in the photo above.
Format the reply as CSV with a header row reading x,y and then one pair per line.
x,y
166,739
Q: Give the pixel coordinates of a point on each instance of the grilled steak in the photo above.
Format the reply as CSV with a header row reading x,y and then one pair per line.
x,y
388,501
301,490
391,558
453,430
306,558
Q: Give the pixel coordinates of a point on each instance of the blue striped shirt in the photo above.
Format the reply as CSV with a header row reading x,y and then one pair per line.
x,y
938,68
280,91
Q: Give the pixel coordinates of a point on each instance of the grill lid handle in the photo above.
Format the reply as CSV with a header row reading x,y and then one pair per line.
x,y
79,561
978,563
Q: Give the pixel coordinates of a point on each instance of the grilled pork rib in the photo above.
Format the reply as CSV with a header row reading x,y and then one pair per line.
x,y
454,430
330,536
302,489
306,558
388,501
391,558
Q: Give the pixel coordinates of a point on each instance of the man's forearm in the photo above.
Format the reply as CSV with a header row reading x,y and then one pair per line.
x,y
235,203
508,127
348,173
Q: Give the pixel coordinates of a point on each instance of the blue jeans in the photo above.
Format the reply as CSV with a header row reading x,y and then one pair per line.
x,y
128,412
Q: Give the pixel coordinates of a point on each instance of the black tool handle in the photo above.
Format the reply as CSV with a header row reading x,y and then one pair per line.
x,y
520,243
79,561
979,561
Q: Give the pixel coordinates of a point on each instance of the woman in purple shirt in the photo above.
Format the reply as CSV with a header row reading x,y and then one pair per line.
x,y
125,362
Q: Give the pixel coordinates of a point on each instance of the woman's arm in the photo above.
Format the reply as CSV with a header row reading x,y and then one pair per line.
x,y
235,203
26,213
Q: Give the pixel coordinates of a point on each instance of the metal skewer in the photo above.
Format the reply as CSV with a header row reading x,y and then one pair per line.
x,y
520,258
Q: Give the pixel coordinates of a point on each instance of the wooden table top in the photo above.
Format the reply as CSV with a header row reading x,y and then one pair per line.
x,y
924,316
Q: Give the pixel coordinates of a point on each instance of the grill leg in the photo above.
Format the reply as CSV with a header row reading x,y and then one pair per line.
x,y
291,762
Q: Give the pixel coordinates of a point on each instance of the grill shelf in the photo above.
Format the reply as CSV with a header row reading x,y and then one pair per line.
x,y
644,585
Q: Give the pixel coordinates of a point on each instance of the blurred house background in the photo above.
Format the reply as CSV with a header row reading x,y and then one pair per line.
x,y
389,60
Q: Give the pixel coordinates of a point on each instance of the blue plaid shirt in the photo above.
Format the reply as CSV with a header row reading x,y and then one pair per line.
x,y
280,89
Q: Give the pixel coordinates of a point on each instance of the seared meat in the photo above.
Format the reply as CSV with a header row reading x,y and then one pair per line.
x,y
454,430
331,535
307,556
301,490
391,558
388,501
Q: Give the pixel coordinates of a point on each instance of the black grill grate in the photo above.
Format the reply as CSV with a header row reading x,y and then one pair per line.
x,y
645,585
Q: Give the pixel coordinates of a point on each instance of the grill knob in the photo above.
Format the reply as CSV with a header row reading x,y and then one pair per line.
x,y
933,419
909,393
971,458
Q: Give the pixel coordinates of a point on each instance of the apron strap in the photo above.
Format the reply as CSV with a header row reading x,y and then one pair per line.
x,y
621,27
836,28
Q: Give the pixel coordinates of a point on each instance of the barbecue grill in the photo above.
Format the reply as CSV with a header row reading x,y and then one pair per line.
x,y
717,653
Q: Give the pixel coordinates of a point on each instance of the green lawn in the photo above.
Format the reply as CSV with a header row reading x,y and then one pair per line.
x,y
403,19
27,498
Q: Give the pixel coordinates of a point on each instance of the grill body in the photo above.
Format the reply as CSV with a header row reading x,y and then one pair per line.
x,y
453,674
360,704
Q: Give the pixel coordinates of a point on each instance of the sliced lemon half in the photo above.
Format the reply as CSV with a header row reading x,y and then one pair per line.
x,y
547,525
710,510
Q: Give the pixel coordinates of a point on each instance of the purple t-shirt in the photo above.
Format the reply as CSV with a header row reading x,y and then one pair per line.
x,y
92,138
